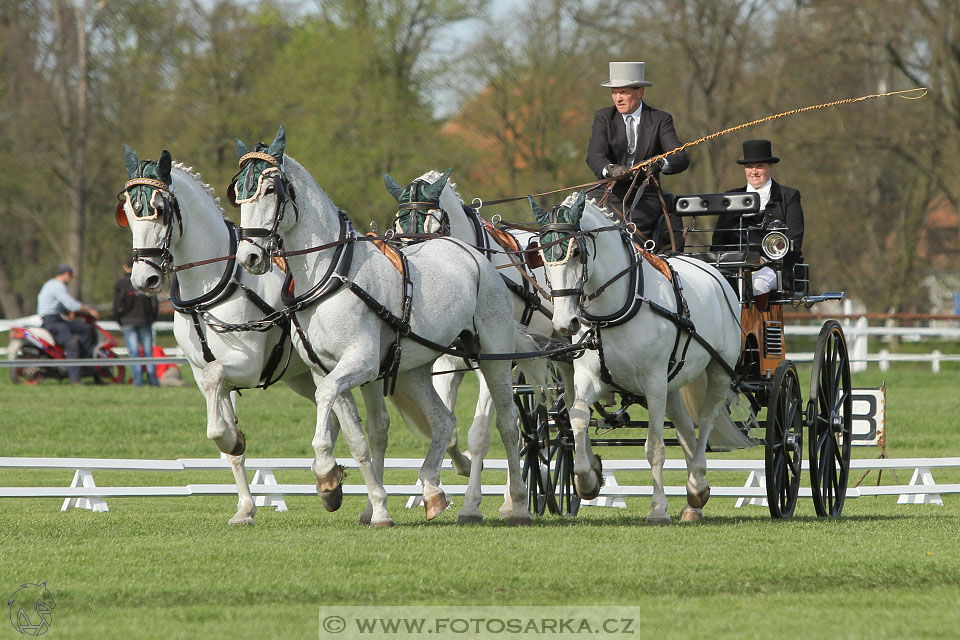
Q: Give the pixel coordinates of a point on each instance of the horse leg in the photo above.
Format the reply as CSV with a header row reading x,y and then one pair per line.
x,y
587,468
416,394
378,423
447,386
696,467
656,394
499,381
349,373
698,489
222,429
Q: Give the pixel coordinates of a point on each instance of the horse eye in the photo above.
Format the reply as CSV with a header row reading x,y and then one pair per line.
x,y
269,188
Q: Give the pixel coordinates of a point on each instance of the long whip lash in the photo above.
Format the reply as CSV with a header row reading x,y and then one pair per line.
x,y
650,161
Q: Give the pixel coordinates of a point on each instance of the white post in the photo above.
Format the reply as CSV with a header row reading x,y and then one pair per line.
x,y
936,360
884,362
860,346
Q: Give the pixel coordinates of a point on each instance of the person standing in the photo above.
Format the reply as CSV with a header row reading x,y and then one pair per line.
x,y
626,134
56,308
777,202
135,312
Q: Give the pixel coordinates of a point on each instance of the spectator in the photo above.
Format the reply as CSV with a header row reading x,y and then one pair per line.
x,y
57,309
135,312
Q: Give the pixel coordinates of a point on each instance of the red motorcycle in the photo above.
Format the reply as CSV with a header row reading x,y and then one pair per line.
x,y
36,343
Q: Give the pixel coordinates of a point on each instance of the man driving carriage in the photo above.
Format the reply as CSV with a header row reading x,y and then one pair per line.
x,y
778,203
626,134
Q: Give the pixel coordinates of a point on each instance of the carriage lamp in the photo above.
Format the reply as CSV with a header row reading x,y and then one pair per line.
x,y
775,245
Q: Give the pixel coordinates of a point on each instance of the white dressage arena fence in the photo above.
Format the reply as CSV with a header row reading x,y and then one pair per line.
x,y
83,492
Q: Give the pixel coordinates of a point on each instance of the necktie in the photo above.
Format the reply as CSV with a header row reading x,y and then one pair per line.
x,y
631,136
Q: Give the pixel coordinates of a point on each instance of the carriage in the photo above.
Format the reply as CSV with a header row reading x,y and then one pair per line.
x,y
765,401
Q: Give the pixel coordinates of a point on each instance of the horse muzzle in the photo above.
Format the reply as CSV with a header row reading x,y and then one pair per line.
x,y
253,257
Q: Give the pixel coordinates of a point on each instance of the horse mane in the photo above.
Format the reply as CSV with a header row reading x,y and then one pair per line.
x,y
198,179
434,175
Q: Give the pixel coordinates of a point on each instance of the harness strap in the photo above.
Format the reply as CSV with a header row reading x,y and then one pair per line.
x,y
266,376
204,347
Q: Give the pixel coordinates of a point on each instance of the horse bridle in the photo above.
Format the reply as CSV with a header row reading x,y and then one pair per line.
x,y
282,188
167,210
575,237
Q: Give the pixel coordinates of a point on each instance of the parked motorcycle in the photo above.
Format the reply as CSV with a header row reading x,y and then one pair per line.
x,y
36,343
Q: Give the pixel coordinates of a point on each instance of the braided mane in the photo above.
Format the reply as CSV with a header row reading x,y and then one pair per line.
x,y
199,180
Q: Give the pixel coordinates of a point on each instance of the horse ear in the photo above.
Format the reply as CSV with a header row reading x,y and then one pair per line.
x,y
576,209
542,216
432,192
241,148
279,143
131,161
163,166
392,186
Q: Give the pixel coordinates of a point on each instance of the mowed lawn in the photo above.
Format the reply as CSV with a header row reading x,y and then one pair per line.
x,y
173,568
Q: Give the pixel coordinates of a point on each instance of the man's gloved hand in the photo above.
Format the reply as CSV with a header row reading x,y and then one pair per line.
x,y
654,168
619,172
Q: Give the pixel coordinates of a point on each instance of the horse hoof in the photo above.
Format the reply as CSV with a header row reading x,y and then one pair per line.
x,y
382,524
435,505
523,520
365,518
587,495
469,518
246,521
690,514
697,500
330,488
664,519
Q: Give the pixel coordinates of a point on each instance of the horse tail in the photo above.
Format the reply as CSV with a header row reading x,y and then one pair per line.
x,y
725,434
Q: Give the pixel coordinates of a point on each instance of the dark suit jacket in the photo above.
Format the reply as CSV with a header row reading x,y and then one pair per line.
x,y
784,205
655,135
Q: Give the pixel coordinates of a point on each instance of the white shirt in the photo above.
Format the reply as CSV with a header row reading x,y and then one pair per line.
x,y
764,192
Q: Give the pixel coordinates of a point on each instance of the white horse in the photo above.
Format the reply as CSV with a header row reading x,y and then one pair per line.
x,y
360,319
588,262
431,205
175,220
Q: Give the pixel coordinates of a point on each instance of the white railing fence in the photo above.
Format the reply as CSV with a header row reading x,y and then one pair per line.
x,y
83,492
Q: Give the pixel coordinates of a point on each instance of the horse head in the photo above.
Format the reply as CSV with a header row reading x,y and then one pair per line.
x,y
420,210
565,258
263,193
150,209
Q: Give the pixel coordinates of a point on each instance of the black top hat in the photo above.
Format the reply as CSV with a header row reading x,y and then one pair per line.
x,y
758,152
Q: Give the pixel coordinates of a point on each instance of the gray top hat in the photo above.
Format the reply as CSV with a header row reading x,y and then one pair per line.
x,y
626,74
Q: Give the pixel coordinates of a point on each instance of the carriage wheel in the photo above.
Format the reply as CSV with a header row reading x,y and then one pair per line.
x,y
829,418
784,442
106,374
561,458
534,443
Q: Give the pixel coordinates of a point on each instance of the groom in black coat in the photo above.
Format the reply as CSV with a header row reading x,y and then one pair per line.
x,y
628,133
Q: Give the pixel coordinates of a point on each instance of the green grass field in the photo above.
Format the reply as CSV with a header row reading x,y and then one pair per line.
x,y
172,568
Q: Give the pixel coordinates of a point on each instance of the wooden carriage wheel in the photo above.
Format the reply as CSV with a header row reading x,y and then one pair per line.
x,y
829,420
784,441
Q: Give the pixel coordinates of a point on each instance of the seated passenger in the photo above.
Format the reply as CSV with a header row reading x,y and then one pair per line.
x,y
777,202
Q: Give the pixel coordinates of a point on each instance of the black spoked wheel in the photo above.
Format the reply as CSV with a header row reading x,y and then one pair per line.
x,y
784,441
534,450
561,458
829,418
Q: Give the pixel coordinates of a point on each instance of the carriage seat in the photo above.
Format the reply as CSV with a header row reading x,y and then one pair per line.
x,y
725,260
